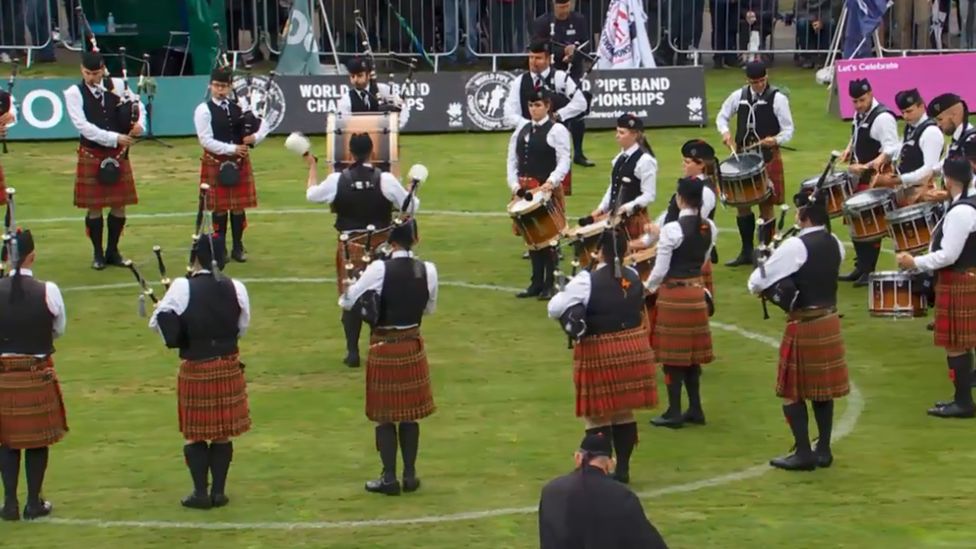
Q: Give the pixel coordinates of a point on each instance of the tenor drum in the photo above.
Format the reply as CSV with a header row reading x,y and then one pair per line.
x,y
866,212
586,241
642,261
838,188
911,227
539,220
383,128
898,294
743,181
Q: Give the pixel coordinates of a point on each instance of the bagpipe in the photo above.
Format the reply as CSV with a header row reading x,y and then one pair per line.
x,y
391,103
7,98
10,251
578,52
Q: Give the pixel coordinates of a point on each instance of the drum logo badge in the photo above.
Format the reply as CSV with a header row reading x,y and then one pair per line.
x,y
485,94
269,100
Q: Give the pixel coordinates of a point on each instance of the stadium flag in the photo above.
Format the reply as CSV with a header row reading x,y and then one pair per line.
x,y
863,18
300,56
624,43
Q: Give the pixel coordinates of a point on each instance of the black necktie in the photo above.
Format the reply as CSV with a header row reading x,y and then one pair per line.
x,y
538,82
365,97
226,106
97,92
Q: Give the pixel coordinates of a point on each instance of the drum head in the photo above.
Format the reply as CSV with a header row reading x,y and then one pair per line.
x,y
523,206
382,128
834,179
911,212
642,255
745,165
868,199
889,276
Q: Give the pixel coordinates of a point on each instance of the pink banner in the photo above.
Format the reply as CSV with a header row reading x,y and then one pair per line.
x,y
932,74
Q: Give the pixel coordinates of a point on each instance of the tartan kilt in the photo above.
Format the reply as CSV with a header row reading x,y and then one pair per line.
x,y
811,360
567,184
680,333
32,413
614,373
707,277
955,310
89,193
212,396
3,187
224,198
356,253
397,377
558,197
776,174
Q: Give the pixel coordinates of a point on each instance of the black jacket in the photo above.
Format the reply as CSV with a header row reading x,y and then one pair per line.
x,y
589,510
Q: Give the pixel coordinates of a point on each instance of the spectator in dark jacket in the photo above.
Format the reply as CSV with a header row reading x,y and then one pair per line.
x,y
757,16
815,24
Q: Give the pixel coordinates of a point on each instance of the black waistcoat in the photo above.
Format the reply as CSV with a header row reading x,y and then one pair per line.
x,y
527,87
405,292
100,113
359,200
867,148
210,319
763,117
358,105
956,147
26,325
611,307
688,257
816,279
911,157
673,211
623,180
227,128
967,259
536,158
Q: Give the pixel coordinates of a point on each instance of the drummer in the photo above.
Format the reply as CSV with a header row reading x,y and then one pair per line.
x,y
952,257
921,149
952,115
763,117
633,180
873,145
539,158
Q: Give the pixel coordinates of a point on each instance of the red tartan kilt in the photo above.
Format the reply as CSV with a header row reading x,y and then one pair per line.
x,y
614,373
811,360
32,413
955,310
567,184
558,198
3,187
234,197
89,193
680,333
777,176
212,396
356,253
707,277
398,377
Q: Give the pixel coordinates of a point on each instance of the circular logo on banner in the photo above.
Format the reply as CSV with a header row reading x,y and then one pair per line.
x,y
485,96
266,101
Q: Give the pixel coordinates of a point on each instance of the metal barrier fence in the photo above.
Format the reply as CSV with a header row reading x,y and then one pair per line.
x,y
23,19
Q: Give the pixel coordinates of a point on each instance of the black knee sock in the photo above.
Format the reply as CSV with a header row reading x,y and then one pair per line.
x,y
237,224
220,225
35,463
386,444
198,462
867,256
352,324
549,267
221,454
578,129
94,226
767,231
796,416
693,386
115,226
747,227
409,432
10,471
624,440
673,376
538,269
962,378
823,412
605,430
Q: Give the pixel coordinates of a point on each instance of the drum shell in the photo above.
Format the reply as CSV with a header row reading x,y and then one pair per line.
x,y
838,187
868,222
744,187
891,294
541,224
911,227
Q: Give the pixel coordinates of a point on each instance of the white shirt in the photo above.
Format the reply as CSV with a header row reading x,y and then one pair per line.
x,y
345,104
372,279
178,297
202,121
884,130
577,291
786,260
708,206
76,112
781,108
55,304
957,225
646,171
931,142
671,238
563,84
557,138
325,192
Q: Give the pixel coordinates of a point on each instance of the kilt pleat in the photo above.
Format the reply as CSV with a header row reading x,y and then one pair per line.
x,y
613,373
398,377
228,197
680,333
89,193
776,174
356,252
558,198
212,396
811,360
32,412
955,310
707,277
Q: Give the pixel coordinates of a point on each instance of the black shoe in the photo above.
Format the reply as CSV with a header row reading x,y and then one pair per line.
x,y
529,292
795,462
98,264
114,258
742,259
862,281
696,417
547,294
526,255
622,477
583,161
851,276
943,403
37,510
239,255
807,64
197,501
410,484
378,486
825,458
219,500
351,360
11,511
675,421
953,410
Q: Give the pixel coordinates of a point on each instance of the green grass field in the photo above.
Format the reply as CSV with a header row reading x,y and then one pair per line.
x,y
501,372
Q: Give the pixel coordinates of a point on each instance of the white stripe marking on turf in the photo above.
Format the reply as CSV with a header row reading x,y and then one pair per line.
x,y
845,426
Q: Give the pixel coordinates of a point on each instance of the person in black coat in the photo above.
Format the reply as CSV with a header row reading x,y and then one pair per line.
x,y
587,509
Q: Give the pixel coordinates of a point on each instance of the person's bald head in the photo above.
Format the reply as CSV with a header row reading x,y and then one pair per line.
x,y
951,118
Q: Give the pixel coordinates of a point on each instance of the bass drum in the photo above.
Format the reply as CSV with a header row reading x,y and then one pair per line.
x,y
383,128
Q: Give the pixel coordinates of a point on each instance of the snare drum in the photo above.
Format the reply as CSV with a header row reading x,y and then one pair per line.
x,y
539,220
642,261
838,187
911,227
865,214
743,181
383,128
586,241
896,294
